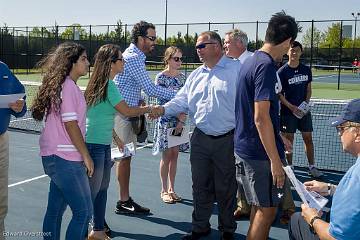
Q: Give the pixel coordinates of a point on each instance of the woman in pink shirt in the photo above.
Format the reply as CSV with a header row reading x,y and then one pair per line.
x,y
66,160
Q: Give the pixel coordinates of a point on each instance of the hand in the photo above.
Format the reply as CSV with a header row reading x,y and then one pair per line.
x,y
156,111
17,106
278,173
287,144
89,164
308,213
296,111
319,187
182,117
120,144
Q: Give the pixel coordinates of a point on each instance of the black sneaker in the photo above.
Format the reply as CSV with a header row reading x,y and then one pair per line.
x,y
130,207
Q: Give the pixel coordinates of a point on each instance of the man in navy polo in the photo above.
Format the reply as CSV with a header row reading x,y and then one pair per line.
x,y
259,148
9,84
296,81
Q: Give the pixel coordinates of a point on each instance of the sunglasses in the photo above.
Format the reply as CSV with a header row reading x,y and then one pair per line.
x,y
177,59
118,59
151,38
203,45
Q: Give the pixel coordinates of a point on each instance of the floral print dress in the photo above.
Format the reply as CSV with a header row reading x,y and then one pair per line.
x,y
164,123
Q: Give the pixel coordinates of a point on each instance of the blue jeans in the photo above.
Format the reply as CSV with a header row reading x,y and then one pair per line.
x,y
69,185
99,182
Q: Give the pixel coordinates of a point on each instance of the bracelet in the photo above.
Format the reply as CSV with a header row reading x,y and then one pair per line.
x,y
329,189
312,223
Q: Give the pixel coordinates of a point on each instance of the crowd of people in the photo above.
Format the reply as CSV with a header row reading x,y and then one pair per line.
x,y
238,148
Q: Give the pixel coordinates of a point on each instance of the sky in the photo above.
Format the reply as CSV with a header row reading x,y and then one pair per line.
x,y
66,12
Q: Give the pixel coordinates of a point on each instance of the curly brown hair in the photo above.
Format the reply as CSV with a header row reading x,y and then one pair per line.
x,y
56,66
96,90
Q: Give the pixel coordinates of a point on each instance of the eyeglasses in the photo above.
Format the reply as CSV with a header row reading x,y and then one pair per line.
x,y
341,129
203,45
177,59
151,38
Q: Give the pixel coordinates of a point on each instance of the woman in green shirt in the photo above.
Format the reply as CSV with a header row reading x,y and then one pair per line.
x,y
103,101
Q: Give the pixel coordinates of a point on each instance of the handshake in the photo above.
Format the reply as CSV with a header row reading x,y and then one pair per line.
x,y
156,111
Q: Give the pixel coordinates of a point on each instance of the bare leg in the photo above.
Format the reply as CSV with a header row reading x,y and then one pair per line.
x,y
290,137
123,176
309,147
172,167
164,169
260,222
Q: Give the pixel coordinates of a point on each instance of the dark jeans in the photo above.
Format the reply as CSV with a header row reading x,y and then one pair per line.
x,y
213,176
299,229
99,182
69,185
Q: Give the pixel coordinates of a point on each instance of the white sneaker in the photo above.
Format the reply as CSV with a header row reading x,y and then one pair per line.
x,y
315,172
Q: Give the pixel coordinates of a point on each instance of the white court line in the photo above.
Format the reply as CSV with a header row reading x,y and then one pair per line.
x,y
42,176
27,180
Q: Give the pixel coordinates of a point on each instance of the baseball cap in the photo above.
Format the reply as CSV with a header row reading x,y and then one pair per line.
x,y
351,112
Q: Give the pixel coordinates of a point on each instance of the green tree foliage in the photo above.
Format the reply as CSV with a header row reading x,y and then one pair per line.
x,y
71,31
318,37
332,37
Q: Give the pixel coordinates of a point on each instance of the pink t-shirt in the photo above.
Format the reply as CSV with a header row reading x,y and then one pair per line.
x,y
54,139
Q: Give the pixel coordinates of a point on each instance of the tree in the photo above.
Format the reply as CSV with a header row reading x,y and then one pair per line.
x,y
71,31
318,37
332,37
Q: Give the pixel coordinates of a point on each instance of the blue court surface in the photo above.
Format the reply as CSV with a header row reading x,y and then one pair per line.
x,y
28,189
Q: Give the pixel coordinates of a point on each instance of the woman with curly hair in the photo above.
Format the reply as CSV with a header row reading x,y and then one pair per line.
x,y
66,160
103,101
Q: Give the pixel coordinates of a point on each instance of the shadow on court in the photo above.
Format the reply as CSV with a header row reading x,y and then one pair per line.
x,y
28,189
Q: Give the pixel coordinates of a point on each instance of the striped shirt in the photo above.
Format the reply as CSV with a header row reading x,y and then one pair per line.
x,y
54,139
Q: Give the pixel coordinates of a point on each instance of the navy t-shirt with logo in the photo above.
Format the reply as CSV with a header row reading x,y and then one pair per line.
x,y
258,81
294,83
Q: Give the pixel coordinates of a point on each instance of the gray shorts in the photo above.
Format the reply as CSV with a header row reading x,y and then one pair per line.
x,y
124,130
257,182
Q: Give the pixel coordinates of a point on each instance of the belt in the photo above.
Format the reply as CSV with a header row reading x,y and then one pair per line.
x,y
231,132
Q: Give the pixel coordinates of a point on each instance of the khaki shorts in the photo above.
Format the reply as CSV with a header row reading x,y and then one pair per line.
x,y
124,130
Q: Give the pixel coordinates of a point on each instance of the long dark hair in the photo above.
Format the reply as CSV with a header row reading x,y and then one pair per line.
x,y
57,66
96,90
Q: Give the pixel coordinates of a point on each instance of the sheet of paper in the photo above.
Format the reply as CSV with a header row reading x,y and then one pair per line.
x,y
304,107
313,199
6,99
177,140
129,150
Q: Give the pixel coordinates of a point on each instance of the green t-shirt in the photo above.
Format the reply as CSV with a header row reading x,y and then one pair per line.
x,y
100,117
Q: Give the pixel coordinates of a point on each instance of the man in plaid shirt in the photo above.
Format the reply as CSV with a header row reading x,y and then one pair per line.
x,y
130,82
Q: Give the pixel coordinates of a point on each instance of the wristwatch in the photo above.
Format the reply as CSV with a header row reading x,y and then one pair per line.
x,y
312,223
329,188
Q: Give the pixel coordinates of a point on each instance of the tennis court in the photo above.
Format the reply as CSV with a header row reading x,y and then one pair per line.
x,y
28,188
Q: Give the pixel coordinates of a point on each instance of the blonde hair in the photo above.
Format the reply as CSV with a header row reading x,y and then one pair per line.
x,y
169,53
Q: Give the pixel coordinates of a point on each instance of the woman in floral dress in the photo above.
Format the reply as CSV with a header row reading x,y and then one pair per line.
x,y
171,78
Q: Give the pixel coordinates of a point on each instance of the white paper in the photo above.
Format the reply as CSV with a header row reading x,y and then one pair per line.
x,y
313,199
5,100
177,140
117,155
304,107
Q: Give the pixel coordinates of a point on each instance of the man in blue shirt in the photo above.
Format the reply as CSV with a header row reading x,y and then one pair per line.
x,y
259,148
209,97
9,84
130,82
345,208
296,81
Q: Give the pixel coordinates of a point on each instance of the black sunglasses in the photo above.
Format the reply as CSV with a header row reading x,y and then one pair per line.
x,y
151,38
177,59
118,59
203,45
